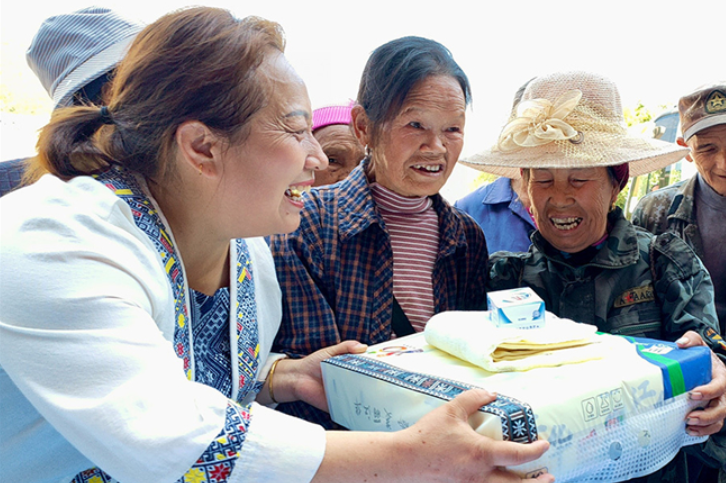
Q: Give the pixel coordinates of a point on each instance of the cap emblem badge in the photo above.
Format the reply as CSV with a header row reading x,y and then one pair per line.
x,y
716,102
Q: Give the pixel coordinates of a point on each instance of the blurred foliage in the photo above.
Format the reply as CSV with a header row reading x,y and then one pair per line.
x,y
638,115
17,102
641,185
482,179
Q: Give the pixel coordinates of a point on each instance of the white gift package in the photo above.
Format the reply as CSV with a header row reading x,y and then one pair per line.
x,y
614,417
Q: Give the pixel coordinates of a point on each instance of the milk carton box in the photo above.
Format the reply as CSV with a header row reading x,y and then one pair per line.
x,y
518,307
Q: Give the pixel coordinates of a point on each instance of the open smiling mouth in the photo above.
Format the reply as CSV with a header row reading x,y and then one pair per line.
x,y
295,192
566,224
428,168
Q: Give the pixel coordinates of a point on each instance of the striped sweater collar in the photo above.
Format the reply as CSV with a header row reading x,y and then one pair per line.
x,y
390,202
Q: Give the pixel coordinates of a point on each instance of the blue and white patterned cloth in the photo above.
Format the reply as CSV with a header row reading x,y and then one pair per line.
x,y
209,320
210,332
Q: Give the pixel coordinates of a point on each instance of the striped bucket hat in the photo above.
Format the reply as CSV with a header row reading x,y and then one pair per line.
x,y
72,50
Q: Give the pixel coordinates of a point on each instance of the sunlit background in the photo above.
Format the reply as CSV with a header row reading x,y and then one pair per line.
x,y
654,51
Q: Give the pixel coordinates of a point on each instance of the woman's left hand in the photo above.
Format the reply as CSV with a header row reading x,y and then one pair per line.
x,y
709,419
302,379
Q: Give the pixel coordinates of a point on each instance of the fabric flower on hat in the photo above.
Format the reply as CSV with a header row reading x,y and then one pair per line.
x,y
539,122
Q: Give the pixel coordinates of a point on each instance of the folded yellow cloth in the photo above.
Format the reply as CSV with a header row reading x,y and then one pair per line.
x,y
471,336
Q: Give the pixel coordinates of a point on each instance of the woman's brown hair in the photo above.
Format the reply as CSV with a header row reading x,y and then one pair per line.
x,y
193,64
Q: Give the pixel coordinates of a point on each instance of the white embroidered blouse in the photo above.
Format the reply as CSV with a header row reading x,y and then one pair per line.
x,y
89,376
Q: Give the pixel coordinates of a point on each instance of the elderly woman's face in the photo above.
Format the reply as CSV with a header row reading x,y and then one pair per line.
x,y
343,150
420,146
571,206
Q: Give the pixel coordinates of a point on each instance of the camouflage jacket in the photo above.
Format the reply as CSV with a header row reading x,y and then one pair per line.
x,y
637,284
620,290
671,209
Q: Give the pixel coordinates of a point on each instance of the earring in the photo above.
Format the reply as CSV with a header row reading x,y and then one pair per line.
x,y
200,169
368,157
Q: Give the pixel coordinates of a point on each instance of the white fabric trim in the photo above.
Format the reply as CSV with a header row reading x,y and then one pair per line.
x,y
231,321
269,307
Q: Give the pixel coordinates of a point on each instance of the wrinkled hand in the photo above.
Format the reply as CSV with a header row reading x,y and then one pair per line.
x,y
444,444
303,377
710,419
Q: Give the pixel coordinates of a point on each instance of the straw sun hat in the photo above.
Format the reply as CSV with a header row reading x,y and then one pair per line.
x,y
571,120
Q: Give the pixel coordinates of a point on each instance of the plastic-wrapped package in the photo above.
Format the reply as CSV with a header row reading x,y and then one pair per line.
x,y
608,419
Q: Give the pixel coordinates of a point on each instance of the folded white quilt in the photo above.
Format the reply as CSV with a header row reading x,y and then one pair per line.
x,y
471,336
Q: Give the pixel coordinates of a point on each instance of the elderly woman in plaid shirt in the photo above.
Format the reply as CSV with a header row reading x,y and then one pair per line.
x,y
379,253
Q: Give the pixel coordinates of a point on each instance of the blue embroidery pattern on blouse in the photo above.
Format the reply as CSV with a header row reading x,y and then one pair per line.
x,y
248,345
217,462
210,331
125,186
93,475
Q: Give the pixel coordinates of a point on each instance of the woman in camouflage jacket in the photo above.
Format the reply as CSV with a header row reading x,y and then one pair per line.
x,y
587,262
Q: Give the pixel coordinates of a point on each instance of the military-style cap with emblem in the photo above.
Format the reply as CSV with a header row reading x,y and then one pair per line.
x,y
703,108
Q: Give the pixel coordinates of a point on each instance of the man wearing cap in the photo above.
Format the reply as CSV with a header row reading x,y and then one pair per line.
x,y
694,209
73,56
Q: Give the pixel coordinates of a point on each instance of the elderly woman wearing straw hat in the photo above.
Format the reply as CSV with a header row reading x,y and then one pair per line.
x,y
587,262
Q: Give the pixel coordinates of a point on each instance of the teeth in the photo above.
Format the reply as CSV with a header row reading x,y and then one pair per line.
x,y
566,223
296,192
431,169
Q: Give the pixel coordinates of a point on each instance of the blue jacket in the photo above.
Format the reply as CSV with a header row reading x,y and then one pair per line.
x,y
504,220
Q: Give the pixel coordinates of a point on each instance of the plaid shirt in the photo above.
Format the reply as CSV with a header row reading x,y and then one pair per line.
x,y
336,272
